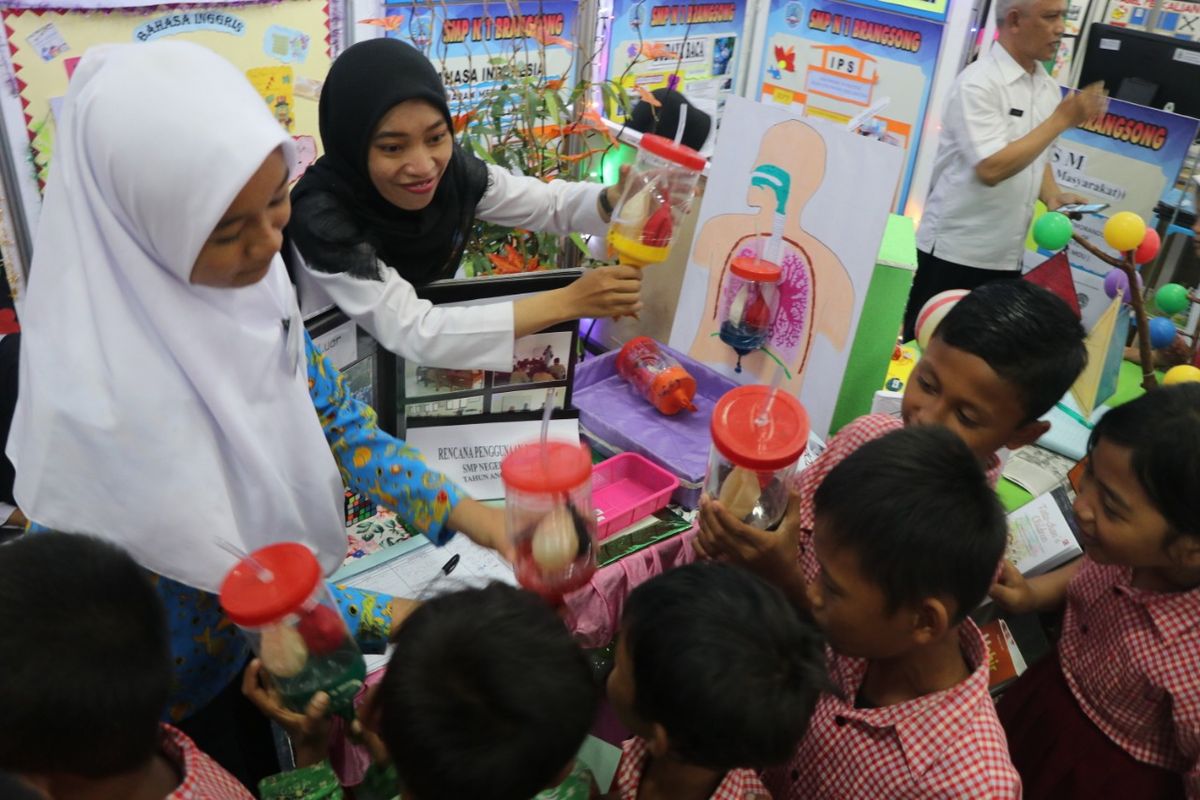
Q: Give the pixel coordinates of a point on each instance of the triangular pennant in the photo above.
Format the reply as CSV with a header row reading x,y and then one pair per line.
x,y
1054,274
1099,343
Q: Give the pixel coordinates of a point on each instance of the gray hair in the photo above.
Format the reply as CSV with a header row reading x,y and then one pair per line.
x,y
1002,8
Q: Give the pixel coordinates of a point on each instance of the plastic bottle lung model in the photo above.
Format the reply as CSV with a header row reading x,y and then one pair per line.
x,y
279,600
658,377
758,436
658,193
746,323
548,504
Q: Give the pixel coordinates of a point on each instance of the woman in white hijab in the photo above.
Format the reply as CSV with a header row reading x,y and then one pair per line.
x,y
167,385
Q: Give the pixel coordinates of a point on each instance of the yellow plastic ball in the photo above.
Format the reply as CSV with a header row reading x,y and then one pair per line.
x,y
1184,373
1124,231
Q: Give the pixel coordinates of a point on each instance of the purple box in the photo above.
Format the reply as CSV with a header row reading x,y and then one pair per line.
x,y
615,419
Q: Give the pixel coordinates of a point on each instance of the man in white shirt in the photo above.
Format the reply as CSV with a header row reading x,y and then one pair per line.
x,y
1003,115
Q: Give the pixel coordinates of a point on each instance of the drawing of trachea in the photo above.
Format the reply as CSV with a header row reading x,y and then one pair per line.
x,y
771,318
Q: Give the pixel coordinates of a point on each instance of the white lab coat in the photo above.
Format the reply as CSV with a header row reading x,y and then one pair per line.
x,y
469,337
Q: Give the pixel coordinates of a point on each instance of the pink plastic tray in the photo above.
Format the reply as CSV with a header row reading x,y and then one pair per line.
x,y
626,488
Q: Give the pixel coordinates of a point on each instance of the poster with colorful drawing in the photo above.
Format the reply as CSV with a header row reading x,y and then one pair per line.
x,y
835,61
1129,158
1179,18
694,48
1133,14
478,46
282,47
780,190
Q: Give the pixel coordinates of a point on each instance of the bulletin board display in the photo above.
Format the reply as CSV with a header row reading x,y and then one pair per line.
x,y
694,48
1178,18
836,61
283,47
479,47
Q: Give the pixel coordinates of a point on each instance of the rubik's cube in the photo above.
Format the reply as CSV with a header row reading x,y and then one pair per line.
x,y
358,508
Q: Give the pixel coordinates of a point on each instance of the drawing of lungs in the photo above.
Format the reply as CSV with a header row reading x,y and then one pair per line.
x,y
791,332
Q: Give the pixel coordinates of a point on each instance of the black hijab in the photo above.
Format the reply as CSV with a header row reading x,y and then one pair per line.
x,y
340,222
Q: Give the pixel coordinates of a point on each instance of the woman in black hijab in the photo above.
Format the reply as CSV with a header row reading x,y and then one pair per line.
x,y
664,120
390,206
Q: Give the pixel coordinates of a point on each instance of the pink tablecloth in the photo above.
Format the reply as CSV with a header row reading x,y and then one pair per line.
x,y
593,614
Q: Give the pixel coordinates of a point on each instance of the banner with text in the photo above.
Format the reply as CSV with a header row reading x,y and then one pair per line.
x,y
935,10
690,47
1129,159
835,61
479,46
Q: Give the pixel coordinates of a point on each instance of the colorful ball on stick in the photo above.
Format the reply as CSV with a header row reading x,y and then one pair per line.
x,y
1171,298
1052,231
1148,249
1184,373
1124,231
1116,282
1162,332
934,311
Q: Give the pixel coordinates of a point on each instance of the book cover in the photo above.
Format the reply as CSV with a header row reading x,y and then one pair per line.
x,y
1041,534
1005,662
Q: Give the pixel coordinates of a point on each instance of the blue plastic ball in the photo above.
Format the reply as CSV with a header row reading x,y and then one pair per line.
x,y
1162,332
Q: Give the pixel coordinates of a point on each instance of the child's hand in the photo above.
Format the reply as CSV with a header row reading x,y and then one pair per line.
x,y
1012,592
370,740
772,554
309,731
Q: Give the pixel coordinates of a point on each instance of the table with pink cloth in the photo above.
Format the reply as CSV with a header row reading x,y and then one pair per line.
x,y
593,614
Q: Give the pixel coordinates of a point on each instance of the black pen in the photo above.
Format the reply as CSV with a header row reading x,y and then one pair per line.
x,y
449,566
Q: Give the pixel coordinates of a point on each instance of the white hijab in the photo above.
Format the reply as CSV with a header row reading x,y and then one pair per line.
x,y
154,413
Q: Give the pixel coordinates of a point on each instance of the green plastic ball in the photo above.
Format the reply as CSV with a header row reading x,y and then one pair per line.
x,y
1052,231
1171,298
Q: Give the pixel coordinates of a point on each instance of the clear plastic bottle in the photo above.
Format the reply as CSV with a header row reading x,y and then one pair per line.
x,y
277,597
658,193
656,375
548,505
758,436
746,323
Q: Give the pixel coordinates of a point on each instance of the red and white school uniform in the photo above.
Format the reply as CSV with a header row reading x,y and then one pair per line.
x,y
738,784
203,778
944,746
1117,713
851,437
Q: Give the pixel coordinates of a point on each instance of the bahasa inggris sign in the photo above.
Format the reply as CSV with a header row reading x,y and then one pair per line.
x,y
185,21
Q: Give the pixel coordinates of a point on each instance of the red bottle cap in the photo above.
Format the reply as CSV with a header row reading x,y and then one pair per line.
x,y
773,446
679,154
755,269
251,601
563,467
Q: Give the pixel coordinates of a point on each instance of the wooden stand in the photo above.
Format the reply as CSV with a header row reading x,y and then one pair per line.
x,y
1127,266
